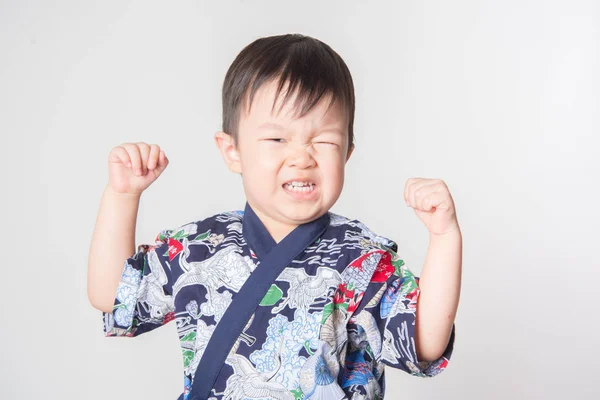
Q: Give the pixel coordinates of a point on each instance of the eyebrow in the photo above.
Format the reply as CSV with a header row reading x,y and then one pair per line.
x,y
272,125
268,125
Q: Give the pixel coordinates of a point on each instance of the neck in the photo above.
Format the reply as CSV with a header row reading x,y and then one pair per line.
x,y
278,230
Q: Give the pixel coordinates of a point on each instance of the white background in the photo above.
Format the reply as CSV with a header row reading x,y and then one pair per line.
x,y
499,99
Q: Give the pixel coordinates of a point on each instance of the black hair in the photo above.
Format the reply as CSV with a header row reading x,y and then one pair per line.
x,y
305,63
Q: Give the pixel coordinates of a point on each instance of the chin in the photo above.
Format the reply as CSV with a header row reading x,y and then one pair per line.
x,y
300,215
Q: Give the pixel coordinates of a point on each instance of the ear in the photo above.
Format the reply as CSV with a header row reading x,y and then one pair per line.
x,y
350,152
229,151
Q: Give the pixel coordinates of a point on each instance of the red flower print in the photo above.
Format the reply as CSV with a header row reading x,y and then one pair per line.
x,y
175,247
413,295
358,263
338,298
384,270
354,303
170,316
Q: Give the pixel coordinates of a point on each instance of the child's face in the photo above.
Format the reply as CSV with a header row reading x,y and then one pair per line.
x,y
274,150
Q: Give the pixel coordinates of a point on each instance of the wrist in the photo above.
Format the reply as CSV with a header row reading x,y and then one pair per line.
x,y
451,234
122,195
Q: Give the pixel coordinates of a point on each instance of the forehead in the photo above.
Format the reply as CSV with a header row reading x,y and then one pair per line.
x,y
266,107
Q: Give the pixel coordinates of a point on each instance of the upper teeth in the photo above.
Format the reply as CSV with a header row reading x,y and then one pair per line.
x,y
296,183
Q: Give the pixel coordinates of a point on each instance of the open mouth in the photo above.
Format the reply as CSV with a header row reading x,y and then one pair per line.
x,y
299,186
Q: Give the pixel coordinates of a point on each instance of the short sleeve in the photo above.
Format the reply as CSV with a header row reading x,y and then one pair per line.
x,y
144,297
394,311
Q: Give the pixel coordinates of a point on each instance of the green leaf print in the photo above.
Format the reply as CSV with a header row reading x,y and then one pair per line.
x,y
408,285
179,234
190,337
162,236
298,395
145,266
201,236
274,294
307,347
188,356
370,352
398,267
327,310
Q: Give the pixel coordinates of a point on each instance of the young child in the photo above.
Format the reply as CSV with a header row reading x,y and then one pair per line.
x,y
283,300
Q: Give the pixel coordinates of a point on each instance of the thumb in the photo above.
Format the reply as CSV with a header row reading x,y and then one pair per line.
x,y
163,161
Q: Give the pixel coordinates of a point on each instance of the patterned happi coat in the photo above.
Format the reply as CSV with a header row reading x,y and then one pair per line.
x,y
329,323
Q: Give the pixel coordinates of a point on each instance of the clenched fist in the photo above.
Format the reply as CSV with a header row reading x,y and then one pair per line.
x,y
433,204
132,167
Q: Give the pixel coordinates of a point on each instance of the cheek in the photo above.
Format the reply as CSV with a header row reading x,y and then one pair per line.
x,y
332,169
258,161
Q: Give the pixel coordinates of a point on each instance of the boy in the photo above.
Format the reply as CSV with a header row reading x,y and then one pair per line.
x,y
284,300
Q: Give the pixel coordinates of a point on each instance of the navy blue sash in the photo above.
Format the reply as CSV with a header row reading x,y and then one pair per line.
x,y
274,257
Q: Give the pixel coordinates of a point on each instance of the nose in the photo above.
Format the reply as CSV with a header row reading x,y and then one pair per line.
x,y
300,156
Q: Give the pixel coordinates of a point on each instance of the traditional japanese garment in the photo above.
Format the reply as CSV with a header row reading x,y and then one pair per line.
x,y
342,307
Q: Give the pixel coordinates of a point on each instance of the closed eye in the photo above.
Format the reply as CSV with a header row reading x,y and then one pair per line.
x,y
276,140
331,143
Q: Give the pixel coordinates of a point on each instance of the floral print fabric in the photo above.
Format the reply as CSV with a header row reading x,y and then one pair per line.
x,y
341,311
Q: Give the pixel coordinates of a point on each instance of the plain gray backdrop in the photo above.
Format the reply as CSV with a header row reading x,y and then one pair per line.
x,y
499,99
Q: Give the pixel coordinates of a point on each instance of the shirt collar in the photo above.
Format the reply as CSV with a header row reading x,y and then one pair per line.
x,y
260,240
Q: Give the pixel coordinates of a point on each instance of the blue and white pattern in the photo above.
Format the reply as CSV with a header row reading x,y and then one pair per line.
x,y
337,314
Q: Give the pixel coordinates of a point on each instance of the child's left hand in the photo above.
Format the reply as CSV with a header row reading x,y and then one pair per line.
x,y
431,200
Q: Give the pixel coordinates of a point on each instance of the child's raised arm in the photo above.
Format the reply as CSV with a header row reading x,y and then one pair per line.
x,y
132,168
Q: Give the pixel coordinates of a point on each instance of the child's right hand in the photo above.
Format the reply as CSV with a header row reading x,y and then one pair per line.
x,y
132,167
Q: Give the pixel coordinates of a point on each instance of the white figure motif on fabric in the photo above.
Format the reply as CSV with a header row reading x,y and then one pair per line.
x,y
388,349
304,288
151,293
247,382
226,268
